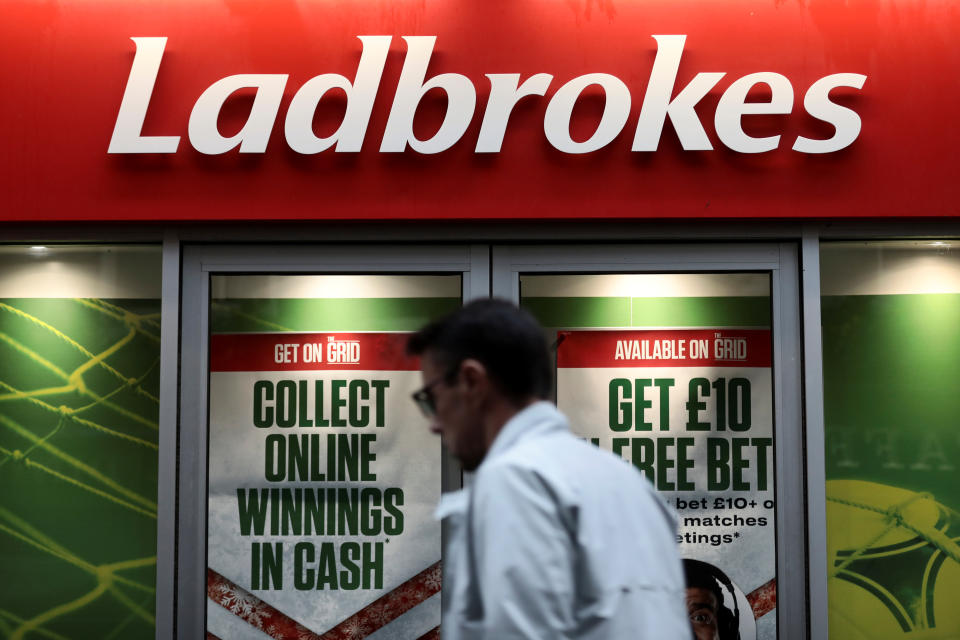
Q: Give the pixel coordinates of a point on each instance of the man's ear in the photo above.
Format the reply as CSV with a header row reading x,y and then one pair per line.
x,y
474,375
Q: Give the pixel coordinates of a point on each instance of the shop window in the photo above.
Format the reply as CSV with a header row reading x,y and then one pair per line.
x,y
891,366
672,372
323,475
79,404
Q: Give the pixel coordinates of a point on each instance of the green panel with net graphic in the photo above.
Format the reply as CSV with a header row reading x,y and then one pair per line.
x,y
79,405
891,368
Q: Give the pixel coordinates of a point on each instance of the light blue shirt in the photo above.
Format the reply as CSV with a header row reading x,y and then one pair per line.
x,y
557,539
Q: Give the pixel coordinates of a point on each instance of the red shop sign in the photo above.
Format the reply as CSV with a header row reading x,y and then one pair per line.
x,y
533,109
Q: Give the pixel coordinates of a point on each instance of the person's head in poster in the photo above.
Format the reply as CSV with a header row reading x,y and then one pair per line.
x,y
711,602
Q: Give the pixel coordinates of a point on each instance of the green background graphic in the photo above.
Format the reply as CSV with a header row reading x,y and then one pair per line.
x,y
79,383
891,367
623,311
241,315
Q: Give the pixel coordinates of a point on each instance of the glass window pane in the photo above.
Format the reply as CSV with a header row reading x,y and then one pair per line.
x,y
79,385
672,372
891,365
323,476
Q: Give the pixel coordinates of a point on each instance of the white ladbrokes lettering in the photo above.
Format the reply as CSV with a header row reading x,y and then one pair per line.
x,y
506,90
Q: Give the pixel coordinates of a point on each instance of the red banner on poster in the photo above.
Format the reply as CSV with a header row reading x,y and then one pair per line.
x,y
663,348
311,352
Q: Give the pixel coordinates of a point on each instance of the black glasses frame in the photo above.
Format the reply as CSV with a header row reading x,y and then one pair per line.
x,y
423,397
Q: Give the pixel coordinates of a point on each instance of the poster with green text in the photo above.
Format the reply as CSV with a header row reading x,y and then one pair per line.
x,y
323,478
691,409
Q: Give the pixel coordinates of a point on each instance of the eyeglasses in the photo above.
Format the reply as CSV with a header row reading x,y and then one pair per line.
x,y
424,397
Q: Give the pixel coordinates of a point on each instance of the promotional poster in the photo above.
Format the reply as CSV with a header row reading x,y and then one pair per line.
x,y
672,372
322,478
322,473
691,409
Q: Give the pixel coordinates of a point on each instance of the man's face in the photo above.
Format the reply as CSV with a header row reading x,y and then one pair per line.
x,y
702,610
458,418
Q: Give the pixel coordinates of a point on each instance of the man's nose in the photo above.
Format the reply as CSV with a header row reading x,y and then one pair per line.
x,y
435,426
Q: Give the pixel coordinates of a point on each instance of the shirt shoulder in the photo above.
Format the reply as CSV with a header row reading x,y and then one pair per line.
x,y
570,465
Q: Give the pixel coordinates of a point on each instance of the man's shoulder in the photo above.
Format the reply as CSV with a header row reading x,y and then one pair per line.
x,y
564,450
543,451
561,459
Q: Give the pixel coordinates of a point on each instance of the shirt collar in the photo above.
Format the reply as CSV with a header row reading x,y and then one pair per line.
x,y
537,419
451,503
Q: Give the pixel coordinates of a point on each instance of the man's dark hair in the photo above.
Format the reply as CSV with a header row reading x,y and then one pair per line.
x,y
704,575
507,340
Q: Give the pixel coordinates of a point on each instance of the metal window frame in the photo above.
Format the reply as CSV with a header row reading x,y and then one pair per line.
x,y
199,263
781,261
815,436
167,436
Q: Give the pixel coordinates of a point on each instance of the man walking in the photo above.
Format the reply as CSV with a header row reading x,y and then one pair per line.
x,y
554,539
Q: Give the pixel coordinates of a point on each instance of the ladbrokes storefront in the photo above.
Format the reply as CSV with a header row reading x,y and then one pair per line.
x,y
735,221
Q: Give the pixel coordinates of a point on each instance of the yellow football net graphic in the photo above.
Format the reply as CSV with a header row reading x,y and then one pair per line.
x,y
79,383
894,563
